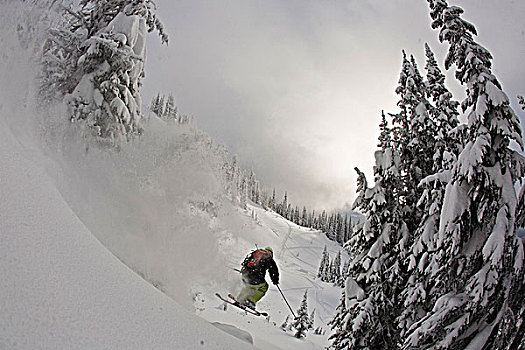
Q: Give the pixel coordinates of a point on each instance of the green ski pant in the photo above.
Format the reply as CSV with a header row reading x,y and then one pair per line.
x,y
252,292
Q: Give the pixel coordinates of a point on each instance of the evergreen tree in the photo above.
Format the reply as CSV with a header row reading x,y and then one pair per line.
x,y
160,108
417,299
344,274
311,219
330,273
301,322
311,320
414,141
231,171
323,221
284,206
371,321
257,197
252,187
156,105
336,272
170,109
304,218
339,325
385,134
323,265
444,113
479,256
243,194
272,203
339,230
95,59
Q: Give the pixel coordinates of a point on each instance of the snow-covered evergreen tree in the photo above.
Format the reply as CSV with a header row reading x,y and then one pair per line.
x,y
479,259
344,274
416,298
339,229
170,109
301,322
157,105
329,277
339,325
336,268
311,322
414,139
284,206
230,174
253,187
272,203
95,61
385,134
243,194
448,139
304,217
370,322
323,265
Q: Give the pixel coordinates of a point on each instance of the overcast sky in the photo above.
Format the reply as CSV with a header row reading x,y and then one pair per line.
x,y
295,88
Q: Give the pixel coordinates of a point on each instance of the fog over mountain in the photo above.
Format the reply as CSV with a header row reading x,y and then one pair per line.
x,y
296,88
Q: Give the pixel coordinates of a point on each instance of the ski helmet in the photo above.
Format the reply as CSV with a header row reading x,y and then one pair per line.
x,y
269,249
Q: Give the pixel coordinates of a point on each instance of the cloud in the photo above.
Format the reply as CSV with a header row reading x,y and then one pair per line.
x,y
296,88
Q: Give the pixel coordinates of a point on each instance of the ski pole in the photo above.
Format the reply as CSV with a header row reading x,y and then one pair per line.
x,y
286,301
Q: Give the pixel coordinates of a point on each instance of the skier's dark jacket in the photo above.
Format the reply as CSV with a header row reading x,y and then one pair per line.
x,y
255,265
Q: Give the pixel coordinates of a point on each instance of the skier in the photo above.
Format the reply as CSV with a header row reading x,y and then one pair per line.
x,y
253,273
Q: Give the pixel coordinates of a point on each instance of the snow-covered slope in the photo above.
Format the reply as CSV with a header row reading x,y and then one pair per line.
x,y
62,289
297,253
79,224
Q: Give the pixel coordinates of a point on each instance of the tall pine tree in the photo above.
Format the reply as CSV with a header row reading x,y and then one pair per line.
x,y
302,321
479,272
370,322
416,297
95,62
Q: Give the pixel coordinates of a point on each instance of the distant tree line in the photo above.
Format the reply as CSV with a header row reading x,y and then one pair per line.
x,y
241,187
165,108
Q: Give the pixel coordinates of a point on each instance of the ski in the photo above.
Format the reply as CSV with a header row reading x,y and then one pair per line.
x,y
240,306
235,300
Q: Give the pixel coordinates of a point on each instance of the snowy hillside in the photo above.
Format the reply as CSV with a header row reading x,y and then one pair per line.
x,y
62,289
297,252
84,229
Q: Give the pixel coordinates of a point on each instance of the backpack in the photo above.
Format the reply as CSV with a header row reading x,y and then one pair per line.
x,y
253,260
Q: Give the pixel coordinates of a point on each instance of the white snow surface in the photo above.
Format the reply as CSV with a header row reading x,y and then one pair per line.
x,y
236,332
79,224
62,289
298,252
